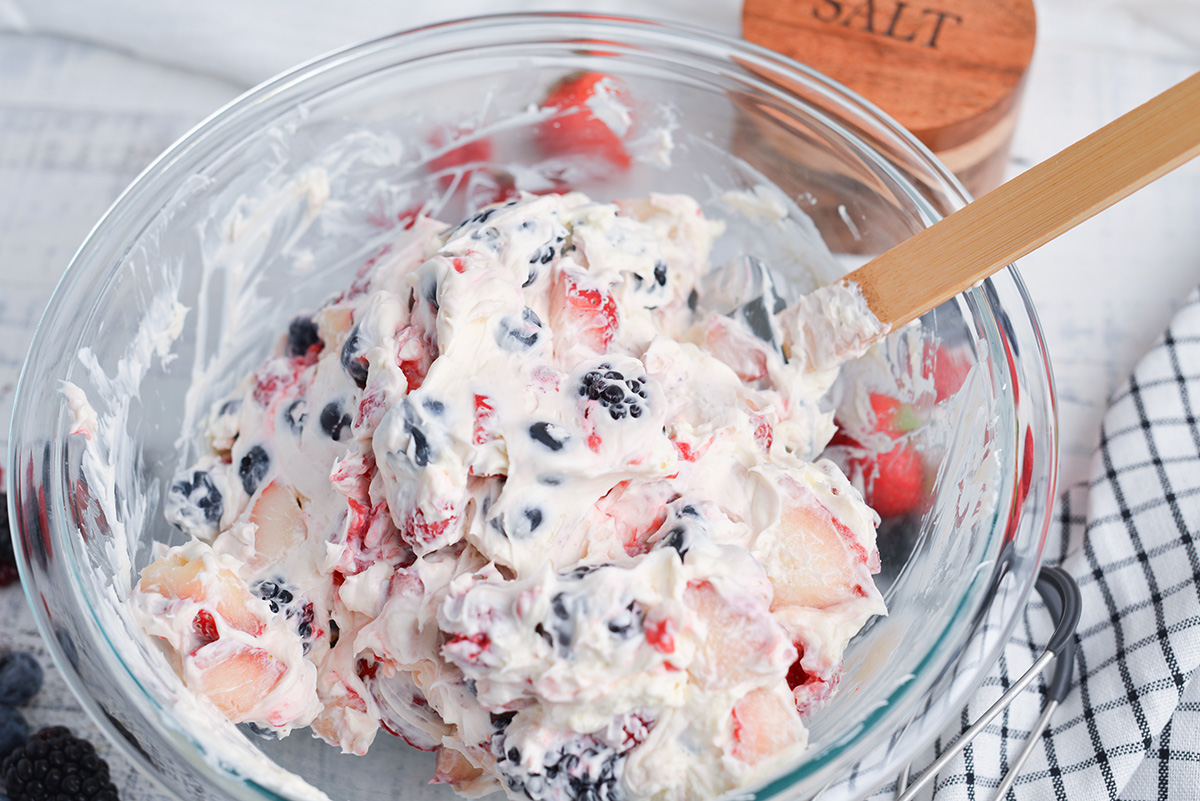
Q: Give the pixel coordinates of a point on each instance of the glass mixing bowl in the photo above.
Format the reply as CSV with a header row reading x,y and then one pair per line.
x,y
233,223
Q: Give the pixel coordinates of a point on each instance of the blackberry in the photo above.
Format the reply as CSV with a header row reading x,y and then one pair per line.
x,y
8,559
275,594
20,678
581,768
54,764
620,395
281,599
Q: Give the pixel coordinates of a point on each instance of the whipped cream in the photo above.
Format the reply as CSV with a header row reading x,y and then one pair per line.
x,y
518,496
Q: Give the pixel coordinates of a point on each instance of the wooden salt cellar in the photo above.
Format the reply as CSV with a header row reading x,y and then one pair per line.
x,y
951,71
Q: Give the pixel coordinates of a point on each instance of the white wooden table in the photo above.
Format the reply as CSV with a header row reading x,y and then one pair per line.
x,y
79,121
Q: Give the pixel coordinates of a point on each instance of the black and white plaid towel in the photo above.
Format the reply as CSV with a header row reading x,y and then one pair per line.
x,y
1130,728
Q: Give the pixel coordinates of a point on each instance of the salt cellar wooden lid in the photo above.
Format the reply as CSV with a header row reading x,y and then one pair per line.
x,y
951,71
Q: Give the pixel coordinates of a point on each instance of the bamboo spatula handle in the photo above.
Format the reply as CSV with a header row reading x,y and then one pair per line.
x,y
1023,214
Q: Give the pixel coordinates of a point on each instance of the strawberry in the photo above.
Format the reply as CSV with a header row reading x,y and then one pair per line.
x,y
947,366
575,129
893,482
586,314
893,417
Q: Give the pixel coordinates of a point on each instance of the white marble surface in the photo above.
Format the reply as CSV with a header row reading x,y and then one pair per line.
x,y
78,121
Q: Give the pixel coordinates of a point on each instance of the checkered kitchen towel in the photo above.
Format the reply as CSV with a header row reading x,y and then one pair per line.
x,y
1130,728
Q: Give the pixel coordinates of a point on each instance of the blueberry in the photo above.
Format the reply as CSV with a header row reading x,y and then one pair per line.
x,y
629,621
520,527
14,731
253,468
501,720
514,335
488,234
550,479
584,570
481,217
562,626
296,415
677,538
683,527
202,494
230,407
421,451
302,335
544,254
660,272
20,678
334,421
353,361
559,605
429,290
550,435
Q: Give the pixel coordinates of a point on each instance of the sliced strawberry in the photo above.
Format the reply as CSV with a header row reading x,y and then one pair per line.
x,y
575,129
585,314
763,725
482,428
235,678
454,769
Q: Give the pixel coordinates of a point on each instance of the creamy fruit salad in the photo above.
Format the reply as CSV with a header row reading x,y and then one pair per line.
x,y
520,497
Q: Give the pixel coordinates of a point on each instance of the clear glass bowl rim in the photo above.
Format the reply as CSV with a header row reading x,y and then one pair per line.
x,y
136,204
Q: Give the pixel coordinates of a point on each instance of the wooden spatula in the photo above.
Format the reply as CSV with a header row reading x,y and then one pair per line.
x,y
1020,216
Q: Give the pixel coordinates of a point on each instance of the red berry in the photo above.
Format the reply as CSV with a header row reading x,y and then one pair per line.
x,y
205,627
947,366
575,129
893,417
893,482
